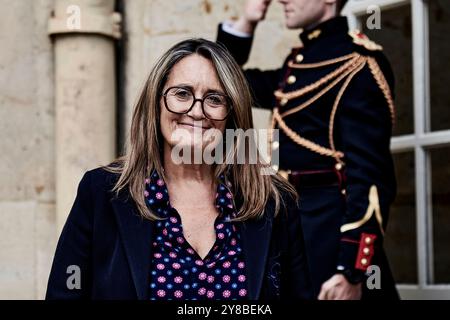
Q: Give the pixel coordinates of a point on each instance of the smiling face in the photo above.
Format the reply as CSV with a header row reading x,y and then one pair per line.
x,y
195,74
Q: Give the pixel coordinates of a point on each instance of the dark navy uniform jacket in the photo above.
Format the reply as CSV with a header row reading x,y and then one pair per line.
x,y
110,244
334,99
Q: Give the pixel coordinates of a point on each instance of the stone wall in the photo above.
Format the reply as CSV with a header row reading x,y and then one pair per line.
x,y
27,183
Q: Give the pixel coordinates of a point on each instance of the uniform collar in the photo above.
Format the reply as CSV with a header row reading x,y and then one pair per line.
x,y
329,28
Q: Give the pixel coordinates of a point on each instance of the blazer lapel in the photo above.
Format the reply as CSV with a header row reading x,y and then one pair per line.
x,y
136,235
255,242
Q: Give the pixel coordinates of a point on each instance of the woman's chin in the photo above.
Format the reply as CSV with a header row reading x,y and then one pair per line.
x,y
188,149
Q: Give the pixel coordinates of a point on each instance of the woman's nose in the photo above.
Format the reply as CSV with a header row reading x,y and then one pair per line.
x,y
196,112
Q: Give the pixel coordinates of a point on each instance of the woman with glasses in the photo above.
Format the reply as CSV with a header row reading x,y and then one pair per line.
x,y
150,227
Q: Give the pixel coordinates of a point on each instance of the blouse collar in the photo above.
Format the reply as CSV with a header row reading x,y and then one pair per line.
x,y
157,196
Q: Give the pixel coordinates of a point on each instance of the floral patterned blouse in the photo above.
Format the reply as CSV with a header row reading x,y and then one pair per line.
x,y
177,271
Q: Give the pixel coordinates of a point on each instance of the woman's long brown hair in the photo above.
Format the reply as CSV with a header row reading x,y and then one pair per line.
x,y
144,146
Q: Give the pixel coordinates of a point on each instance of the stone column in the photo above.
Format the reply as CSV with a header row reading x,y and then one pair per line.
x,y
84,32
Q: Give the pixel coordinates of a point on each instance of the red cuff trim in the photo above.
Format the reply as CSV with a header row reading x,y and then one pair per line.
x,y
365,251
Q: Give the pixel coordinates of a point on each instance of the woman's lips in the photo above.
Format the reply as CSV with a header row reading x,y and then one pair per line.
x,y
192,126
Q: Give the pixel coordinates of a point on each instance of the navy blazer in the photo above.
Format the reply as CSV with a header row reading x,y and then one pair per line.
x,y
110,243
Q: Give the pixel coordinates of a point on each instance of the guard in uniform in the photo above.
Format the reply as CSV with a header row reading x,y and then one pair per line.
x,y
333,102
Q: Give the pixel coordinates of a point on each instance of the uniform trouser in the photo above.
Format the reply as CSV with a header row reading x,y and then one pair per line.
x,y
322,210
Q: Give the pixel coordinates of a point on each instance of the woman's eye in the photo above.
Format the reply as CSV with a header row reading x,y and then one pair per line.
x,y
182,94
216,100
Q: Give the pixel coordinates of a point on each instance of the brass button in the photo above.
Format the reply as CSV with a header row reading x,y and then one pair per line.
x,y
368,240
363,261
275,145
366,251
299,58
291,79
338,166
283,101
